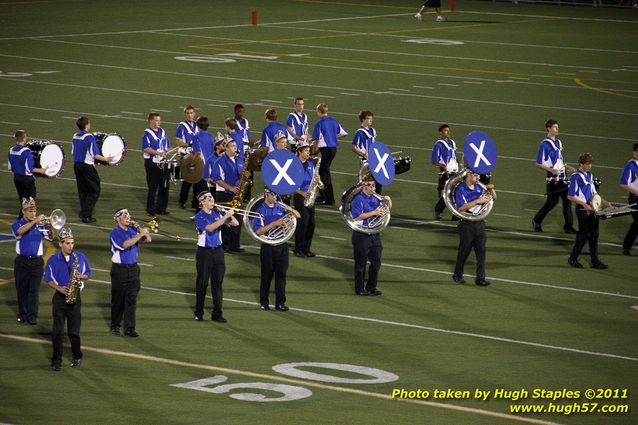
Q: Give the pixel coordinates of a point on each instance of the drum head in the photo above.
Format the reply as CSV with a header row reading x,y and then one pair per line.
x,y
52,158
596,202
113,145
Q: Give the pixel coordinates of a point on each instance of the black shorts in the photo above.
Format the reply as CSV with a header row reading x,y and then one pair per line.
x,y
432,3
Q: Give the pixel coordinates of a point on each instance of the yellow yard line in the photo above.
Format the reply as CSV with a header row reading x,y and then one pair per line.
x,y
588,87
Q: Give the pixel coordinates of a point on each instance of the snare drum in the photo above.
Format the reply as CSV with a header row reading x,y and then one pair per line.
x,y
47,154
402,164
111,144
174,173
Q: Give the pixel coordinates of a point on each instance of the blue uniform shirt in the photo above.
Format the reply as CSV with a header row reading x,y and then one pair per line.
x,y
228,170
363,203
581,186
630,174
156,140
84,148
363,137
204,143
308,174
464,195
21,160
208,239
445,153
208,166
186,131
59,267
121,255
30,244
243,128
326,131
298,122
269,214
269,133
550,155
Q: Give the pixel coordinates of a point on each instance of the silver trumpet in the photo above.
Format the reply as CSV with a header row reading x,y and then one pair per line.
x,y
57,219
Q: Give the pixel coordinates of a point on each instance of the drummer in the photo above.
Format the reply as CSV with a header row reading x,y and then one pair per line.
x,y
22,166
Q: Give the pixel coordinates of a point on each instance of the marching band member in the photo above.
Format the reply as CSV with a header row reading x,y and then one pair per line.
x,y
29,232
297,122
58,276
581,192
184,134
226,174
270,132
363,138
233,133
469,196
209,260
85,152
550,159
436,4
444,157
125,273
203,146
21,164
629,182
306,225
155,145
274,258
327,132
242,123
367,247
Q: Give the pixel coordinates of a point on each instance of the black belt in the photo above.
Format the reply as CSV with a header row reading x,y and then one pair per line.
x,y
125,265
211,248
30,257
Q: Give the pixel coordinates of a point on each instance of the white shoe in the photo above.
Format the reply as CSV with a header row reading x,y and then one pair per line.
x,y
440,18
418,17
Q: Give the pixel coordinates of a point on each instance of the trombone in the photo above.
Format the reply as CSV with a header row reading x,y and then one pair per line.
x,y
245,213
153,226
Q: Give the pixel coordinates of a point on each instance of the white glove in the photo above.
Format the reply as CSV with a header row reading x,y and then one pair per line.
x,y
418,17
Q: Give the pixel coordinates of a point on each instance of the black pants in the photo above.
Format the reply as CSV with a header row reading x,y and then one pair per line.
x,y
632,233
71,313
125,286
230,234
25,186
183,193
305,225
440,205
274,262
471,236
88,182
556,191
366,247
28,274
210,265
587,233
327,194
157,179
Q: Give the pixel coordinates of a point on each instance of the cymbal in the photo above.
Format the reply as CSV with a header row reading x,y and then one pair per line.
x,y
192,168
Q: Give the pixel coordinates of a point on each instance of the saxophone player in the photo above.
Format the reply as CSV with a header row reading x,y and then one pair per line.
x,y
306,225
63,270
230,177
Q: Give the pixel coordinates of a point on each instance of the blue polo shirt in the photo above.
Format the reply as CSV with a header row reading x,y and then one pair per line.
x,y
30,244
550,154
208,239
21,160
363,137
204,143
121,255
58,268
363,203
84,148
298,122
269,214
444,151
464,194
630,174
243,128
186,131
228,170
269,133
156,140
581,186
326,131
308,174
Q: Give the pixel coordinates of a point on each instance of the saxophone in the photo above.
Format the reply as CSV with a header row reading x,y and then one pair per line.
x,y
245,183
315,185
74,284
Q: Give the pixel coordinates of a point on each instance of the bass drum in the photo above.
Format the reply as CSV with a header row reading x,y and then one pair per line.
x,y
47,154
111,144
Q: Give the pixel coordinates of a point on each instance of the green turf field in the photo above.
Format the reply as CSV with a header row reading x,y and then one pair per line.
x,y
497,67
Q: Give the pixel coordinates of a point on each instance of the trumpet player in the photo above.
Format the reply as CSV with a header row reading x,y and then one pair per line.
x,y
367,247
61,269
125,273
209,259
306,225
29,231
468,197
274,258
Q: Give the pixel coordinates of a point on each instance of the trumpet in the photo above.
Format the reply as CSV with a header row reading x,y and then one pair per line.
x,y
245,213
153,226
57,219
